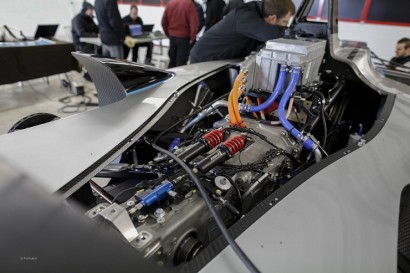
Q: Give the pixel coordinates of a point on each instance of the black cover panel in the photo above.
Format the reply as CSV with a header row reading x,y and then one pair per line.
x,y
30,62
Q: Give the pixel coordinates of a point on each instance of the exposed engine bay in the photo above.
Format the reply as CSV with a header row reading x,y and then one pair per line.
x,y
281,115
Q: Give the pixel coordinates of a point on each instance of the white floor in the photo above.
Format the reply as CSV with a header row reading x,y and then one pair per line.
x,y
19,100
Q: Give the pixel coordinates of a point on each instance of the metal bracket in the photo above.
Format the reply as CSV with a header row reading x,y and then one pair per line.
x,y
119,217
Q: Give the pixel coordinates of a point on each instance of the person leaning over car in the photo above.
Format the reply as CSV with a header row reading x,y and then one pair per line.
x,y
244,30
180,24
232,4
214,12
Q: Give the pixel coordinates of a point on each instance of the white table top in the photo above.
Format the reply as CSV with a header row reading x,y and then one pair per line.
x,y
97,40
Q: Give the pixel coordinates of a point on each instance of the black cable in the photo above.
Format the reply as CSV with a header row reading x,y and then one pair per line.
x,y
297,117
77,106
235,247
237,191
10,32
187,117
324,140
152,183
124,191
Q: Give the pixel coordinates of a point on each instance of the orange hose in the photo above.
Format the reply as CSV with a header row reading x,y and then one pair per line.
x,y
232,118
262,111
233,105
248,101
236,94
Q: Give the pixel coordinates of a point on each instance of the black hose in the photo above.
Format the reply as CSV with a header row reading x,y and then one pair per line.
x,y
324,140
235,247
237,191
187,117
322,111
122,192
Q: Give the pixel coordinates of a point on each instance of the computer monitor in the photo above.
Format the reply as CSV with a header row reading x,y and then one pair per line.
x,y
45,31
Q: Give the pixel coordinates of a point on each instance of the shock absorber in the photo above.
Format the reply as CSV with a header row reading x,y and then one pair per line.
x,y
224,151
204,144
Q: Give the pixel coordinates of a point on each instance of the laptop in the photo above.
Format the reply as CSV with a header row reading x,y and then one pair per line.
x,y
46,31
147,28
140,31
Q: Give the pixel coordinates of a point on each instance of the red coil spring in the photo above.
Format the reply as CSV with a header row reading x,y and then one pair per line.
x,y
214,138
235,144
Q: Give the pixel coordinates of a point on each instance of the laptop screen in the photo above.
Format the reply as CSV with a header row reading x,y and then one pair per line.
x,y
45,31
147,28
135,30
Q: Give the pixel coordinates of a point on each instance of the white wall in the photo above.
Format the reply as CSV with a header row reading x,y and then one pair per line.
x,y
381,39
26,14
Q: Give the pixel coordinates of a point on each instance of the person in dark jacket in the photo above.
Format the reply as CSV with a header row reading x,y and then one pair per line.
x,y
180,24
244,30
233,4
214,12
133,18
112,31
82,25
402,57
201,17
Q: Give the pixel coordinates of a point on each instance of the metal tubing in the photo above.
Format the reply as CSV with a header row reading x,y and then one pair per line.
x,y
307,142
101,192
275,93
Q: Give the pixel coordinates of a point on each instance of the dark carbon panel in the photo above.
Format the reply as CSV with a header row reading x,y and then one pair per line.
x,y
404,224
109,87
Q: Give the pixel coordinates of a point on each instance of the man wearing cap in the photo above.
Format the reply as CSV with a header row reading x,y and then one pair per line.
x,y
82,25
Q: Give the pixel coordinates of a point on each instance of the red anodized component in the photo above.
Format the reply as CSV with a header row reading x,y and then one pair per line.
x,y
214,137
235,144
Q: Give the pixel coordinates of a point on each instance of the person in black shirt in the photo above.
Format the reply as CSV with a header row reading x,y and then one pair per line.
x,y
244,30
233,4
201,18
82,25
133,18
112,31
214,12
402,57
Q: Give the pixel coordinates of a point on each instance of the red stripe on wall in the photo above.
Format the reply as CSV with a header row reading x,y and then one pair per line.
x,y
366,10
